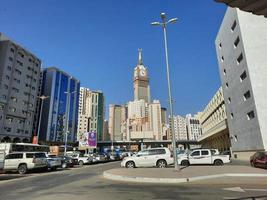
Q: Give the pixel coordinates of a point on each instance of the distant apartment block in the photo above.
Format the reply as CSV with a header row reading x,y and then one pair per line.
x,y
91,112
193,127
19,82
57,119
213,120
180,129
241,46
117,122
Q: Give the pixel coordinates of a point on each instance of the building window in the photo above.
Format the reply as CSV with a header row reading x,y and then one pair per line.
x,y
229,100
9,119
250,115
243,76
236,41
12,50
10,59
232,116
20,63
7,77
226,84
6,86
239,59
9,68
224,71
233,26
222,58
13,99
220,45
15,90
21,54
247,95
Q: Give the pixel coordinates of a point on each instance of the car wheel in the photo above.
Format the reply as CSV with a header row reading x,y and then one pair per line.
x,y
81,163
130,164
185,163
64,165
218,162
161,164
22,169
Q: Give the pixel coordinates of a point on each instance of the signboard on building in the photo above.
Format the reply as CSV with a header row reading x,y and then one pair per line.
x,y
88,140
92,139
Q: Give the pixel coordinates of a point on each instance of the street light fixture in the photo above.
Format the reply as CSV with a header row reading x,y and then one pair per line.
x,y
40,116
163,25
67,120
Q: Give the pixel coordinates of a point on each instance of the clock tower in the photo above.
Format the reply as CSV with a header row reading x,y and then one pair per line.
x,y
141,80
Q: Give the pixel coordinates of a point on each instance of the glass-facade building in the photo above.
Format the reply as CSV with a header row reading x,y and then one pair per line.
x,y
57,119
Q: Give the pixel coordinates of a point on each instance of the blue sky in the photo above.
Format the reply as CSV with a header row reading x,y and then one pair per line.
x,y
97,42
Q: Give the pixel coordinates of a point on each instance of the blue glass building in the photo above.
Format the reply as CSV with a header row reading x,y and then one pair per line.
x,y
63,90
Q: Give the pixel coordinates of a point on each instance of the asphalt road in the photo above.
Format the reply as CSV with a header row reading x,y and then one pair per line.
x,y
87,183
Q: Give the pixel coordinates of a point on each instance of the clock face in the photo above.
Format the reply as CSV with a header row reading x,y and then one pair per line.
x,y
142,73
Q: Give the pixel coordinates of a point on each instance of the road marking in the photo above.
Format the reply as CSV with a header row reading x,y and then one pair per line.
x,y
234,189
260,190
239,189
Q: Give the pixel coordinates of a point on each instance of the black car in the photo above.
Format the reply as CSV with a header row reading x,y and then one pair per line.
x,y
67,161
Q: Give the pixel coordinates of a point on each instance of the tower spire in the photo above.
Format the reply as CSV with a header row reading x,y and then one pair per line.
x,y
140,59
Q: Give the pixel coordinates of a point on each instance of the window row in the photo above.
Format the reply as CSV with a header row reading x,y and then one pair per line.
x,y
22,56
250,115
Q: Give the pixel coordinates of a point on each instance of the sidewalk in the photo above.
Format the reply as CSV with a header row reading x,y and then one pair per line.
x,y
186,174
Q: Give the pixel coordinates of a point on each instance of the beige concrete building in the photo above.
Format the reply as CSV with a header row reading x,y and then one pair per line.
x,y
117,122
180,129
91,112
213,120
155,120
193,127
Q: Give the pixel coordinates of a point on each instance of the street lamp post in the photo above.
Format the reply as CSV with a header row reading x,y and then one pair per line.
x,y
164,25
67,120
40,116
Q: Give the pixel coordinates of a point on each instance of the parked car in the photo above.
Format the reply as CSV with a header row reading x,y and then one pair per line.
x,y
2,160
202,156
82,159
53,162
67,162
154,157
24,161
259,159
99,157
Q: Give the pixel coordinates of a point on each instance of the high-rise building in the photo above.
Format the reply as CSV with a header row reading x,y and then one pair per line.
x,y
60,110
117,118
141,81
19,82
91,112
241,46
155,120
193,127
144,120
106,136
179,126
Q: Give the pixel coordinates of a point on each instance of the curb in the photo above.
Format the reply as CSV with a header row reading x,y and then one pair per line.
x,y
115,177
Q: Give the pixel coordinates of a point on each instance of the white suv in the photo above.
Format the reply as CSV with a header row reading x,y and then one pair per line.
x,y
24,161
154,157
